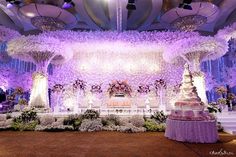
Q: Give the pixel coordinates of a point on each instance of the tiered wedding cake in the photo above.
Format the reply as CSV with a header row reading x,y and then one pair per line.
x,y
189,105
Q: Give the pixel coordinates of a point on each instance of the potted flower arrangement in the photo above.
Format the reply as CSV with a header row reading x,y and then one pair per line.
x,y
227,99
96,89
22,102
144,89
160,85
79,85
213,107
119,88
58,88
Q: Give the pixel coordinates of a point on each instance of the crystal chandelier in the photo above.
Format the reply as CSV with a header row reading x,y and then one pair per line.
x,y
45,23
189,23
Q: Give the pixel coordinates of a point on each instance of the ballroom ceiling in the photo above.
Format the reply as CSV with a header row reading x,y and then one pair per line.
x,y
113,15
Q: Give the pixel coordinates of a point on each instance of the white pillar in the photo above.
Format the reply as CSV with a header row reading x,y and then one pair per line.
x,y
39,92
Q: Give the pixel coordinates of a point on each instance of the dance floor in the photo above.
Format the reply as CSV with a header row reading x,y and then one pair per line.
x,y
106,144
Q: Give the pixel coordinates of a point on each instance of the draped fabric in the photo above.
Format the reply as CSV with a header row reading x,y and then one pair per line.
x,y
192,131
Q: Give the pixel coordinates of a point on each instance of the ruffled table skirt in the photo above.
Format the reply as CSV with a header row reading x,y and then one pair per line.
x,y
192,131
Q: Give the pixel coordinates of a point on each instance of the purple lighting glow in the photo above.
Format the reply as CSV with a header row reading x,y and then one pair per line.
x,y
67,5
9,5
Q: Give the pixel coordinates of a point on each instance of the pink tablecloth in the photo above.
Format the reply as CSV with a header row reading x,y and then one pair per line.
x,y
192,131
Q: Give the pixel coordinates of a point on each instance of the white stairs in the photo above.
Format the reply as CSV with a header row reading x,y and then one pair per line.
x,y
228,121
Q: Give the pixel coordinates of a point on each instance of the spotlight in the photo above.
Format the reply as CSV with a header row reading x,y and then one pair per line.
x,y
131,5
186,5
68,4
11,3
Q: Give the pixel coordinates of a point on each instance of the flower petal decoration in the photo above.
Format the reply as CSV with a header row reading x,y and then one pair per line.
x,y
227,33
40,48
201,48
7,34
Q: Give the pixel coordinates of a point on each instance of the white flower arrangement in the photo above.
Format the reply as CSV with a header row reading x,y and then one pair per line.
x,y
227,33
39,48
201,48
7,34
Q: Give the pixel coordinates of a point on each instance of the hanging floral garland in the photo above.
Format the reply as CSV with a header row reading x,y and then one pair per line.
x,y
132,37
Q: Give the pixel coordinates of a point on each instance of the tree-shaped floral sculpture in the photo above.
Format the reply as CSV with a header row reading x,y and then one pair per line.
x,y
227,33
194,51
41,50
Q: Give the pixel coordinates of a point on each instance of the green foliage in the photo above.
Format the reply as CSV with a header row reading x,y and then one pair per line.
x,y
29,126
74,120
58,129
77,123
111,120
26,121
90,114
27,116
213,108
159,117
152,125
8,116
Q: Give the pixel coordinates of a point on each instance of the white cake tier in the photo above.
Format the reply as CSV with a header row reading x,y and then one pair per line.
x,y
190,115
189,104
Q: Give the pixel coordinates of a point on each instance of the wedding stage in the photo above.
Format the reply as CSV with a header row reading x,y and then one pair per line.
x,y
124,106
113,72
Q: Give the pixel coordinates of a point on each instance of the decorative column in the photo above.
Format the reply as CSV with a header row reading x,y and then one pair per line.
x,y
39,92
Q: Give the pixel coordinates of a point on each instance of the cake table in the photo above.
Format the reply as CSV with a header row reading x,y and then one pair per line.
x,y
192,131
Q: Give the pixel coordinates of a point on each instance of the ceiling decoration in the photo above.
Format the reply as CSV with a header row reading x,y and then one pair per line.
x,y
189,23
207,16
190,20
48,17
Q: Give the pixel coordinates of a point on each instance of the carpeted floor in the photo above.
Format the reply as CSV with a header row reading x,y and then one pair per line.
x,y
106,144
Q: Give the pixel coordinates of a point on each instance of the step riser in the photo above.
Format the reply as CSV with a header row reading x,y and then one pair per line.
x,y
230,132
228,121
